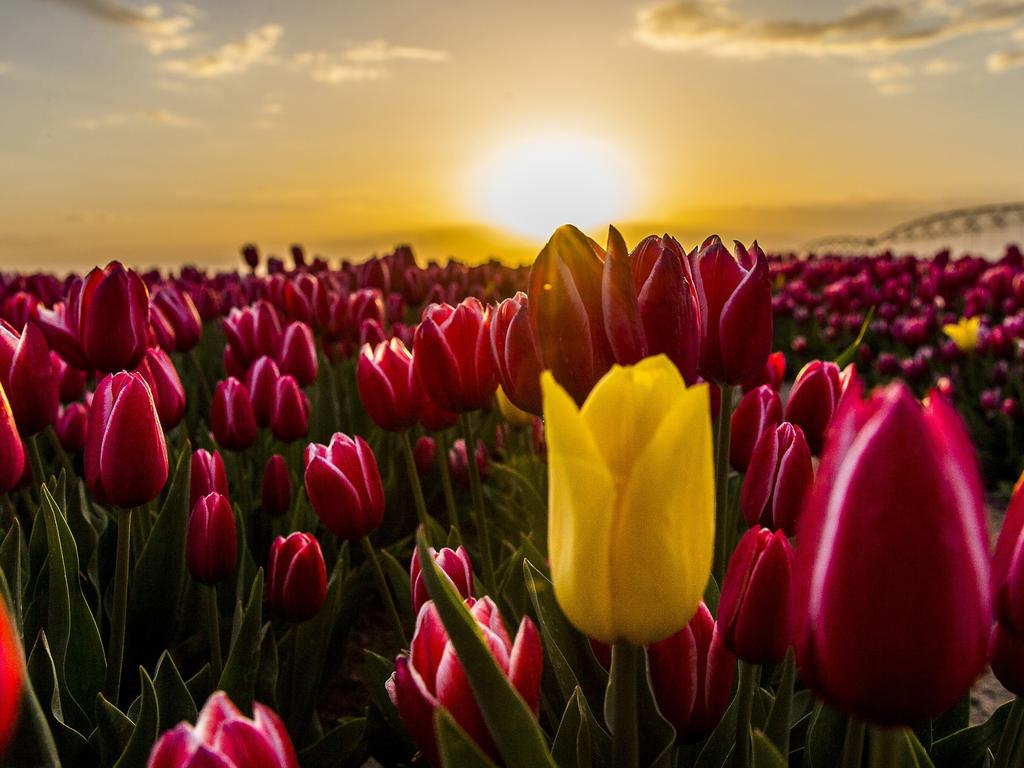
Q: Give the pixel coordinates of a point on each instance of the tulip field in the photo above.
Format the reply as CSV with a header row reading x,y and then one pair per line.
x,y
625,506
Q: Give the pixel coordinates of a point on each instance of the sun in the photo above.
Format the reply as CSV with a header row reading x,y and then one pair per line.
x,y
533,185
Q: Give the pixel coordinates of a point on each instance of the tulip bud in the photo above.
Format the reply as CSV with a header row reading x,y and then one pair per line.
x,y
515,352
231,416
29,377
344,487
1008,588
425,454
296,577
388,385
735,298
291,411
113,318
691,675
620,310
893,537
261,382
298,354
225,738
778,479
70,426
207,476
458,461
456,366
10,675
754,609
125,452
758,410
163,380
431,675
813,399
181,313
276,487
455,566
211,546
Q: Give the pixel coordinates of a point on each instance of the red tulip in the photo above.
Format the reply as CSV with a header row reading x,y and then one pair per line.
x,y
261,382
298,353
12,467
735,297
207,476
181,313
296,577
515,352
168,392
10,676
344,487
433,417
388,385
425,454
125,452
70,426
290,420
211,548
276,486
1008,585
225,738
454,564
252,332
892,582
161,330
306,300
457,369
758,410
458,461
231,416
29,377
778,479
773,373
753,613
431,675
813,400
692,674
72,380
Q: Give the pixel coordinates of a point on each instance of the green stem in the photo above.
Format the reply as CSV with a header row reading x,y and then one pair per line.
x,y
853,744
1011,735
62,455
446,481
722,521
115,650
36,459
885,747
414,481
749,674
477,489
625,738
385,592
213,627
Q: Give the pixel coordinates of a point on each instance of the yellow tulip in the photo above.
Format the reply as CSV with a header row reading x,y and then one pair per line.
x,y
514,415
632,501
964,333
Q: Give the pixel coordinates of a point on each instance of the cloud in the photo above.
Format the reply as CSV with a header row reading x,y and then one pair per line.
x,y
712,26
160,31
155,115
232,58
380,51
937,67
1002,61
324,67
6,68
889,72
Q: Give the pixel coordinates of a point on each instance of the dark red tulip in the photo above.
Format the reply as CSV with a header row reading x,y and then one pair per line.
x,y
161,330
758,410
261,381
290,420
692,675
388,385
10,676
180,312
72,380
1008,588
454,564
207,476
344,486
735,297
621,313
891,585
251,255
516,356
231,416
425,454
778,479
753,612
11,449
165,384
70,426
433,417
296,577
306,300
276,486
813,400
29,376
211,544
773,373
252,332
298,354
455,362
125,452
458,461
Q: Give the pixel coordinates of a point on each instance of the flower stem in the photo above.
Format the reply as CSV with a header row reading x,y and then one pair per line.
x,y
213,627
749,675
477,489
885,747
853,744
722,521
446,481
414,481
626,746
51,435
385,592
118,617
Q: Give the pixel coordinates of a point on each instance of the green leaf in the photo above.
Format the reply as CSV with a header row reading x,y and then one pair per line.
x,y
766,754
342,746
711,595
379,670
457,749
175,702
238,679
779,718
33,743
72,746
11,569
146,727
398,578
847,354
956,718
113,730
580,740
266,680
825,738
967,747
520,740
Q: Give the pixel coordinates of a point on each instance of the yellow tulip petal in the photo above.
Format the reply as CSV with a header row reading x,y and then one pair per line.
x,y
581,495
664,526
513,414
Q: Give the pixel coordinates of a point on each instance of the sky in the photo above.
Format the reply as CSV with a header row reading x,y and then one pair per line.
x,y
165,133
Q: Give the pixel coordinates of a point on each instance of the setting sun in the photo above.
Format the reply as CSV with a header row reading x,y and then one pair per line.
x,y
533,185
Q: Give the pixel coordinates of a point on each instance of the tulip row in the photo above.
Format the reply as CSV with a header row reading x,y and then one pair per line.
x,y
276,518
